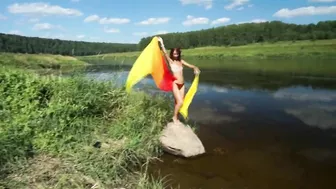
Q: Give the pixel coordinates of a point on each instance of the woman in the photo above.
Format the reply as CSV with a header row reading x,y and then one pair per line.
x,y
176,64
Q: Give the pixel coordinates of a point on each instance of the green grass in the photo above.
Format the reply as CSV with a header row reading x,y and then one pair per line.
x,y
49,125
325,48
39,61
288,49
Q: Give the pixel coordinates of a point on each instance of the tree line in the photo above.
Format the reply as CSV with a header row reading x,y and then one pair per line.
x,y
242,34
231,35
35,45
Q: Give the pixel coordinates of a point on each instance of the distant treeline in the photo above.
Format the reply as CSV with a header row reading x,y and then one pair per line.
x,y
34,45
231,35
242,34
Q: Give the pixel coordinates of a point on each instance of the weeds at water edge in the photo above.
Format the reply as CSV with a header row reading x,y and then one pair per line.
x,y
49,126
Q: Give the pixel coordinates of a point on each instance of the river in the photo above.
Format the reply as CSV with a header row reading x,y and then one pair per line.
x,y
259,131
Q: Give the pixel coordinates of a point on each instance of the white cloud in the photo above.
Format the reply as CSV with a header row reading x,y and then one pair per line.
x,y
160,32
152,21
131,42
194,21
2,17
305,11
322,1
111,30
14,32
258,20
44,9
236,3
45,26
91,18
96,18
240,8
33,20
220,21
94,38
114,20
206,3
80,36
140,33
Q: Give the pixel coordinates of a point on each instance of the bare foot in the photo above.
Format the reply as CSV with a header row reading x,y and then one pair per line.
x,y
176,121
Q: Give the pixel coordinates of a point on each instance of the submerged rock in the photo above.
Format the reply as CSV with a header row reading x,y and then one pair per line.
x,y
180,139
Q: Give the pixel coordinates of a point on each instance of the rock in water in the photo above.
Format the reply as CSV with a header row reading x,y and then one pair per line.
x,y
180,139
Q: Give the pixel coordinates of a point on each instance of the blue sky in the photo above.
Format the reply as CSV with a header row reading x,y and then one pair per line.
x,y
126,21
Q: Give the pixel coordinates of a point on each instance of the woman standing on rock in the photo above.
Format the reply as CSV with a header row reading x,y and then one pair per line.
x,y
176,65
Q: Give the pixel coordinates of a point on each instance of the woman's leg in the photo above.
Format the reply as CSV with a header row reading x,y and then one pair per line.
x,y
178,102
182,90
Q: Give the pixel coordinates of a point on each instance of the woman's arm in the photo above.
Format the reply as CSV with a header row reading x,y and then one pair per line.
x,y
196,70
188,65
167,56
164,50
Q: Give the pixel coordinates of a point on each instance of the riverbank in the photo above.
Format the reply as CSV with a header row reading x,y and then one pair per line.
x,y
303,58
278,50
42,63
76,133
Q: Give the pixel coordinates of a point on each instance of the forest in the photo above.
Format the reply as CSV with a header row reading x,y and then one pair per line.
x,y
35,45
243,34
230,35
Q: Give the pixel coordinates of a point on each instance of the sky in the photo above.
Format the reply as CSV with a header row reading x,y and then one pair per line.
x,y
127,21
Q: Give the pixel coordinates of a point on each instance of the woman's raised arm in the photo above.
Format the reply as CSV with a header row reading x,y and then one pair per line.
x,y
164,50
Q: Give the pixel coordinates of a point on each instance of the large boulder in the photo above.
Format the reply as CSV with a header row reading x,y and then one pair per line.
x,y
180,139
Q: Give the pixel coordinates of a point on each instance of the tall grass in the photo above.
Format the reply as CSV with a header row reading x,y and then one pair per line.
x,y
76,133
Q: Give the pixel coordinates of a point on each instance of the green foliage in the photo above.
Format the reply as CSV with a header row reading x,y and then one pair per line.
x,y
60,119
242,34
35,45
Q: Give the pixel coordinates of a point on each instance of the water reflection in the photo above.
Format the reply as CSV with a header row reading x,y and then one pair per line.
x,y
258,131
305,94
315,116
234,107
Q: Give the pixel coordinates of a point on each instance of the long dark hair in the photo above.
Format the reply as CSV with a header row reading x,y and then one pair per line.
x,y
178,50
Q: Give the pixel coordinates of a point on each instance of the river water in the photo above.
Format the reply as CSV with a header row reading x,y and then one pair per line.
x,y
258,131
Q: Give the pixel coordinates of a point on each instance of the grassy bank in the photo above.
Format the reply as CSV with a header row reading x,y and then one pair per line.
x,y
75,133
288,49
304,58
40,62
307,58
